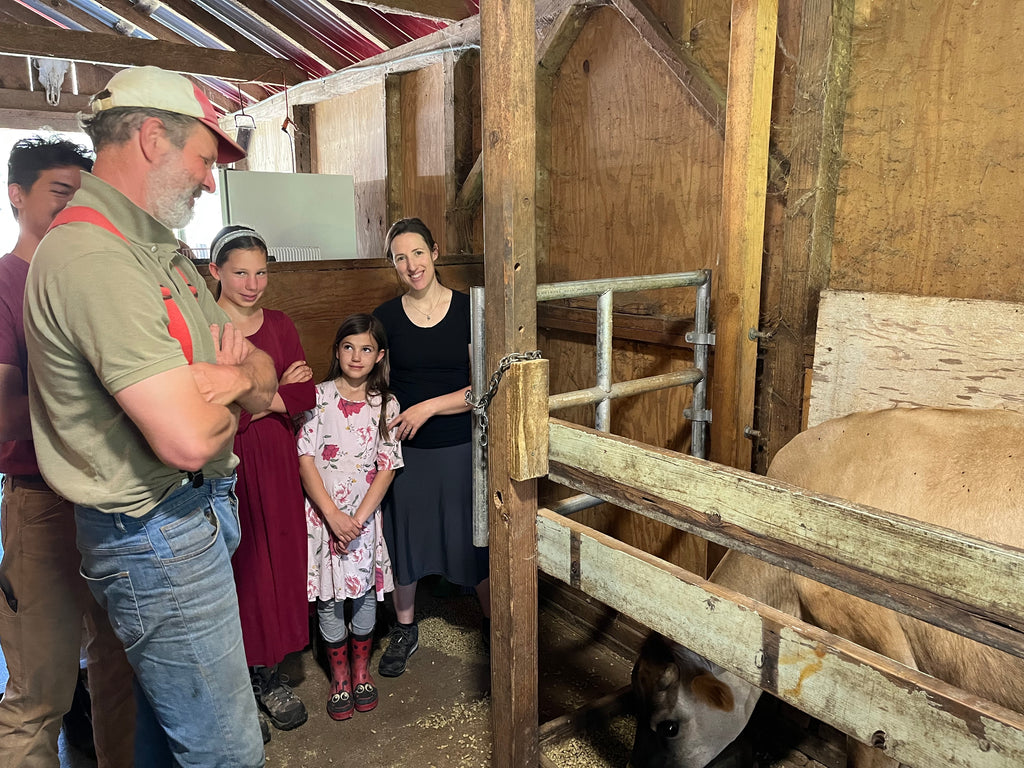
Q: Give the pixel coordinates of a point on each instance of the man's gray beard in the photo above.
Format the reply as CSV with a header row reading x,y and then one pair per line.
x,y
170,198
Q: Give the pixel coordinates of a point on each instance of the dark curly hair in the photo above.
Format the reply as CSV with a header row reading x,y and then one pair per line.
x,y
35,154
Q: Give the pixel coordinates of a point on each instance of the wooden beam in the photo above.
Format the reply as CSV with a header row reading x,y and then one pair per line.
x,y
419,53
38,120
738,279
380,29
36,101
816,536
462,104
126,11
810,134
212,25
707,95
919,720
393,145
81,17
445,10
302,118
508,74
298,33
131,52
665,331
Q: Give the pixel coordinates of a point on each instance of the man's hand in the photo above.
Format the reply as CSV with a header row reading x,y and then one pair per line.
x,y
218,384
232,346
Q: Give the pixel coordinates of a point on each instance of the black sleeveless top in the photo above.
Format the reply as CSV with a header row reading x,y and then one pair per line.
x,y
428,362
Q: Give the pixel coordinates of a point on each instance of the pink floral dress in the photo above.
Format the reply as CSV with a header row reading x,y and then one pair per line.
x,y
344,439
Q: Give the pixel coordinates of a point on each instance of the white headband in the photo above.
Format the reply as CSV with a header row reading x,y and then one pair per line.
x,y
223,240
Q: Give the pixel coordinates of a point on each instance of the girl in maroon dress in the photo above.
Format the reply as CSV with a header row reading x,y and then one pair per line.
x,y
270,563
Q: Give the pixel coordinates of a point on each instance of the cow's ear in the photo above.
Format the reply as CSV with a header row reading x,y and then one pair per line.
x,y
713,692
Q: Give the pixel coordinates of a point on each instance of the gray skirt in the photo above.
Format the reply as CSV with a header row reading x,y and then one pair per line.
x,y
428,517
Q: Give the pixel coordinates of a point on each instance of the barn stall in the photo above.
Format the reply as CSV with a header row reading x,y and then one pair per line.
x,y
888,142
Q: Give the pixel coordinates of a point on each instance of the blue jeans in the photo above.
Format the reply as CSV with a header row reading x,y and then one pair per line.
x,y
166,582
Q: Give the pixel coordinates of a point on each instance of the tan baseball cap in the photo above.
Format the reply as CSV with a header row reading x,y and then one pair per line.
x,y
155,88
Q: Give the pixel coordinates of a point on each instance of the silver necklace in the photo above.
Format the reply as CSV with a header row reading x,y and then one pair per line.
x,y
429,311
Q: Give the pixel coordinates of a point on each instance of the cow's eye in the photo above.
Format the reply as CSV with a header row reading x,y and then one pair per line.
x,y
668,729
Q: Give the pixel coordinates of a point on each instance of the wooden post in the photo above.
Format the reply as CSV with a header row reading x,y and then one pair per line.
x,y
811,108
302,117
737,298
508,72
393,143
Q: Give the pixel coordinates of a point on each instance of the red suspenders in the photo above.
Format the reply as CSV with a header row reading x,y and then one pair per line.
x,y
176,324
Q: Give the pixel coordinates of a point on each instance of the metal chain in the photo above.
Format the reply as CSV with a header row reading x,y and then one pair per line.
x,y
480,406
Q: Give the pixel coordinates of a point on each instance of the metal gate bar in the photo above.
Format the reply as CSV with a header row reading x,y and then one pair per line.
x,y
604,391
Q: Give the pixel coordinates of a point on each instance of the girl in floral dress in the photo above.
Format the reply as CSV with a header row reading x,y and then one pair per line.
x,y
347,459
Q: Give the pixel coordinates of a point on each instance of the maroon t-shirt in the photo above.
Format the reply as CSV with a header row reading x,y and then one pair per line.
x,y
17,457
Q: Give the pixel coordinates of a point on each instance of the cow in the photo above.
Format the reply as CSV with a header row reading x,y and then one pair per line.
x,y
958,468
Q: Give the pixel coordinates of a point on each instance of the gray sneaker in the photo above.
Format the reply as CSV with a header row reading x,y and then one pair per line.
x,y
402,644
284,709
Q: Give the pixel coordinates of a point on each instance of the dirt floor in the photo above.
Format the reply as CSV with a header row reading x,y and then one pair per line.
x,y
437,715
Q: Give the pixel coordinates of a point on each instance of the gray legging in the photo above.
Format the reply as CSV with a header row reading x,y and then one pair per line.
x,y
332,617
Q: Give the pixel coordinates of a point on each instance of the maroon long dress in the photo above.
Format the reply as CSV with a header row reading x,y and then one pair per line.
x,y
270,563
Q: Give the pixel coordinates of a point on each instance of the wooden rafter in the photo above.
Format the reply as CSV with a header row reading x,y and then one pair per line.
x,y
28,40
446,10
299,34
126,11
210,24
381,30
414,55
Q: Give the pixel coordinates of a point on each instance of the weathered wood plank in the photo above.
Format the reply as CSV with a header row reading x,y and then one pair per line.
x,y
27,40
11,98
883,350
738,279
653,329
923,722
508,106
939,576
527,384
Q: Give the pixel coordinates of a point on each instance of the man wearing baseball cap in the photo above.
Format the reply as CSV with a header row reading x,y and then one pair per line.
x,y
135,382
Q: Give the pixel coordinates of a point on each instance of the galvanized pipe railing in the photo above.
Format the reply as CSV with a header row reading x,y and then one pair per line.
x,y
604,391
479,375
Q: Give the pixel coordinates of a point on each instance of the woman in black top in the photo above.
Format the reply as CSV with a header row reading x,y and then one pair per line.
x,y
428,511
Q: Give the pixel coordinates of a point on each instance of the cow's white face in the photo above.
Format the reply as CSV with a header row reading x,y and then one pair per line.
x,y
689,710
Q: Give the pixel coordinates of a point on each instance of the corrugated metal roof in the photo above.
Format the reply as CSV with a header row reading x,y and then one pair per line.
x,y
317,36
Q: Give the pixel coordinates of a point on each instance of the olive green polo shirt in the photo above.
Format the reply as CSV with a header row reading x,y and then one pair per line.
x,y
96,323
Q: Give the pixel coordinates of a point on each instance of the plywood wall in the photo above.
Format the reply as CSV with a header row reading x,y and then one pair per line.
x,y
636,178
349,136
421,156
933,151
